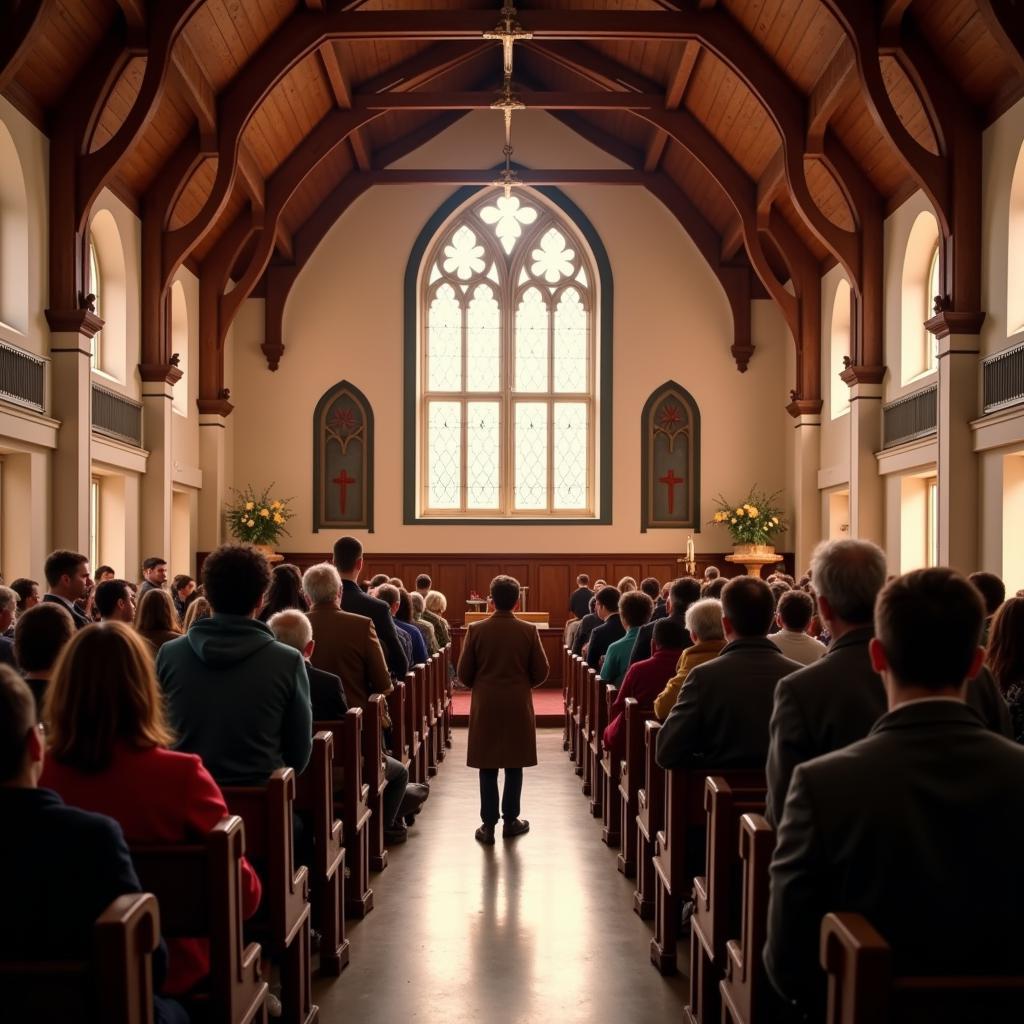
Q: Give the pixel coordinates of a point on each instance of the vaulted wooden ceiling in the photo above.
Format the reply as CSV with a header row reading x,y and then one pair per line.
x,y
745,116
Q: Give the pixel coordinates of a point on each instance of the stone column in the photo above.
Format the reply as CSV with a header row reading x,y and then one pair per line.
x,y
71,334
155,519
958,480
213,463
806,498
866,487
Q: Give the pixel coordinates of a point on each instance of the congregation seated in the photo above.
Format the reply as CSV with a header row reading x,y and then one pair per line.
x,y
326,693
348,560
235,696
435,604
67,865
1005,659
39,637
579,599
198,608
114,601
285,592
705,641
635,610
8,605
109,752
908,825
376,581
28,597
713,588
993,594
154,575
610,628
652,588
157,619
720,719
793,615
416,609
410,638
644,680
681,594
67,581
711,573
592,620
183,592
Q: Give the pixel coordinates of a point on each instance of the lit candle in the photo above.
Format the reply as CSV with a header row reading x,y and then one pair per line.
x,y
689,549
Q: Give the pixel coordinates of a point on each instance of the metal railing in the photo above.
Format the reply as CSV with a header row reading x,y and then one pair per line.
x,y
22,377
911,417
1003,379
116,416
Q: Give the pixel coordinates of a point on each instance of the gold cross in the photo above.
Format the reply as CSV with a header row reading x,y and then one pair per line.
x,y
509,32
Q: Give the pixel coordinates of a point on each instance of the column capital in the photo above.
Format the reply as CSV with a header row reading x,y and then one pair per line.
x,y
854,374
215,406
949,321
74,321
155,373
803,406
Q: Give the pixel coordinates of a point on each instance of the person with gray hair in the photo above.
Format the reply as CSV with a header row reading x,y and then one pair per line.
x,y
434,605
321,584
326,694
8,606
418,606
704,624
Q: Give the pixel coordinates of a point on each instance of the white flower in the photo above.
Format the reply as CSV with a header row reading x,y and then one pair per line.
x,y
508,214
552,260
463,256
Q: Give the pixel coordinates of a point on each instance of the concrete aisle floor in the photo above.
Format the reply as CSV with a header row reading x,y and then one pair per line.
x,y
538,928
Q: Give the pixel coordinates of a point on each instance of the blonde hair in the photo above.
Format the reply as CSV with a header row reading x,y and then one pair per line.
x,y
103,690
196,610
436,602
626,584
157,613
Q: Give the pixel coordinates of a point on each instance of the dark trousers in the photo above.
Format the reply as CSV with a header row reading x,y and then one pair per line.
x,y
510,797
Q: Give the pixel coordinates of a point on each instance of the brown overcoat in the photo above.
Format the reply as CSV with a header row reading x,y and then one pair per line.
x,y
347,645
502,660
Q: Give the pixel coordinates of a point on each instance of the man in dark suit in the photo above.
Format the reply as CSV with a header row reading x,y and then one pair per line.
x,y
348,560
67,576
916,826
682,593
610,630
720,719
62,866
587,625
579,602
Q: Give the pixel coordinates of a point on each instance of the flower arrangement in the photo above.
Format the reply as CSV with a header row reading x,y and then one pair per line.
x,y
754,521
257,518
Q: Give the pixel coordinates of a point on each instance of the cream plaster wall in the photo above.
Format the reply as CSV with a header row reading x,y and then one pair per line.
x,y
185,425
835,432
344,319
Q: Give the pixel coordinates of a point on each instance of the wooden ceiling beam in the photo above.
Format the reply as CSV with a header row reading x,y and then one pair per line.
x,y
401,147
424,67
674,96
195,87
836,85
485,100
18,35
610,144
770,186
892,12
1005,21
134,12
338,85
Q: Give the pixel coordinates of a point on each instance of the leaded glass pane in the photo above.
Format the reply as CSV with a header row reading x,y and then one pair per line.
x,y
444,454
444,341
435,273
570,343
571,457
554,259
483,341
464,255
483,455
507,215
531,335
531,482
582,277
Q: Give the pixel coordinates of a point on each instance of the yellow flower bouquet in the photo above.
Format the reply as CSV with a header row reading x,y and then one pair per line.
x,y
753,521
257,518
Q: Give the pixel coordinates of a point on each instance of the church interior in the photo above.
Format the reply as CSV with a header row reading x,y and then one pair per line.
x,y
644,297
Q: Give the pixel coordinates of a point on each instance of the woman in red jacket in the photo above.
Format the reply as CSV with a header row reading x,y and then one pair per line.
x,y
109,753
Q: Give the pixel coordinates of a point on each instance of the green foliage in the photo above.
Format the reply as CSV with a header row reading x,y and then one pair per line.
x,y
756,520
257,518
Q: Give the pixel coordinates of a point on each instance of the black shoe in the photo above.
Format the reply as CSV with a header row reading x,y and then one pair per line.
x,y
415,797
485,834
396,834
516,827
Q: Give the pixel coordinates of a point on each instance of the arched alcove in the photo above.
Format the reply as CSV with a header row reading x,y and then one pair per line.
x,y
670,460
839,349
343,460
920,277
1015,252
14,261
112,295
179,344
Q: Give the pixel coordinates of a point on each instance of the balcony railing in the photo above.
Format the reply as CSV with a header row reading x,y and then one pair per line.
x,y
1003,379
910,417
116,416
22,377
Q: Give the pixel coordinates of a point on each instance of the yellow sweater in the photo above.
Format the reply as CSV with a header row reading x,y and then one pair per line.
x,y
690,659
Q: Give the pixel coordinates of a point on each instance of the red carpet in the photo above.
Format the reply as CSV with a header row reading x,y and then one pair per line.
x,y
547,705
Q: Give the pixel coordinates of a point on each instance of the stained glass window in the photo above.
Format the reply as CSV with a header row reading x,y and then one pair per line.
x,y
507,364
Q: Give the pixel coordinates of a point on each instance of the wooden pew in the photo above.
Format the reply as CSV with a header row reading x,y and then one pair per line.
x,y
631,774
590,687
599,719
430,718
863,990
747,994
448,690
572,715
685,824
412,726
269,829
396,710
314,798
199,888
373,778
439,691
114,985
609,774
581,711
650,817
422,722
566,697
717,894
355,809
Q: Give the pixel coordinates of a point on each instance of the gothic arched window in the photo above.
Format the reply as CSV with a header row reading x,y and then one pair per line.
x,y
507,365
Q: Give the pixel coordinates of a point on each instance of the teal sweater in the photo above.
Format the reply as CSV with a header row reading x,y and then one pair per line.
x,y
238,699
616,659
